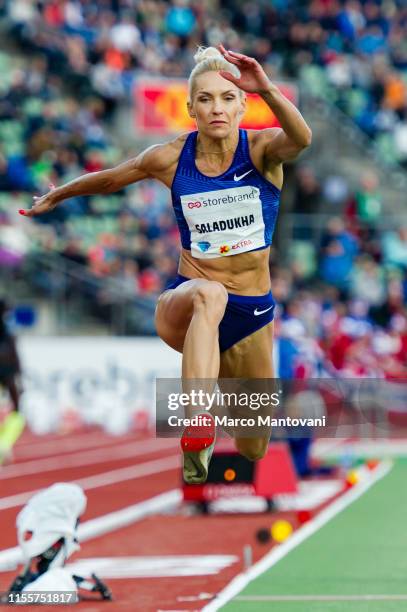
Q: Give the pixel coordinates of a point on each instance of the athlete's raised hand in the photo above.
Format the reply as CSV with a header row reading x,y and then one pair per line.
x,y
253,79
42,204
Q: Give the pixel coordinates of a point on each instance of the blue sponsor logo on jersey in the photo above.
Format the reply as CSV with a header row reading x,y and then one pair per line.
x,y
204,246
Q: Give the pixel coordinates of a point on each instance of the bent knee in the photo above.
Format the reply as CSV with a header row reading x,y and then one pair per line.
x,y
252,449
211,296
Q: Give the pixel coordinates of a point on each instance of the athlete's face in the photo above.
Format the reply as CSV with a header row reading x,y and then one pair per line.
x,y
217,105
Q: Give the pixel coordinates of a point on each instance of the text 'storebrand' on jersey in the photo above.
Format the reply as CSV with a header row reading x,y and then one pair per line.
x,y
224,217
226,197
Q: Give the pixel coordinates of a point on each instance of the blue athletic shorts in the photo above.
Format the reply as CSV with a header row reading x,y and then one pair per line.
x,y
243,316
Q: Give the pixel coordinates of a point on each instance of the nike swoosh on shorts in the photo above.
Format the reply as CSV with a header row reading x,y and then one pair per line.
x,y
239,178
260,312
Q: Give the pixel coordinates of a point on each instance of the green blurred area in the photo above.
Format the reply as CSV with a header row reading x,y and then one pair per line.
x,y
362,551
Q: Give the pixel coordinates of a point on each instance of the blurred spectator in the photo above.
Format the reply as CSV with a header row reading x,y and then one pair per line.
x,y
10,368
339,249
180,19
10,373
395,248
307,198
367,281
368,200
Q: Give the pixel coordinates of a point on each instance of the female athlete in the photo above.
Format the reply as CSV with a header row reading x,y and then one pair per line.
x,y
225,184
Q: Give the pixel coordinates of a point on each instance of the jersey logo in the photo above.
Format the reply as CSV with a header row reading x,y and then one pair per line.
x,y
204,246
260,312
239,178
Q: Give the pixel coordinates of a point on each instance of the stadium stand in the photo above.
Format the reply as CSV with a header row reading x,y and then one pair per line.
x,y
342,282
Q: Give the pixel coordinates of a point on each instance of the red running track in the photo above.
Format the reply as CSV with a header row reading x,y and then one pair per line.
x,y
116,473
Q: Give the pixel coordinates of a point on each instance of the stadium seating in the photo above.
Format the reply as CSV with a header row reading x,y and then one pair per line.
x,y
54,125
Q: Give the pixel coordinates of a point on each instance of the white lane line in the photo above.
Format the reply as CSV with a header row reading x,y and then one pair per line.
x,y
11,557
379,447
79,459
104,479
36,440
152,566
242,580
321,598
32,439
63,445
327,446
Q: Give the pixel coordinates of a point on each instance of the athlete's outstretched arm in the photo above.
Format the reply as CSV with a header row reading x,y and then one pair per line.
x,y
151,163
281,144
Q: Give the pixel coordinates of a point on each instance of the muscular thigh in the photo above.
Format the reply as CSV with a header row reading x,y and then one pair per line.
x,y
252,357
173,315
174,311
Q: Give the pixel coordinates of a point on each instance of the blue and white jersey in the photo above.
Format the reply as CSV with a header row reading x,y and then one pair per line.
x,y
223,215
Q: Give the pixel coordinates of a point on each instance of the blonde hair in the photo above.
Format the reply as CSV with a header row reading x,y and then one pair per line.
x,y
206,60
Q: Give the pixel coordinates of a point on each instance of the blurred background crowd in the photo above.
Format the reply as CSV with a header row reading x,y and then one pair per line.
x,y
339,275
354,52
